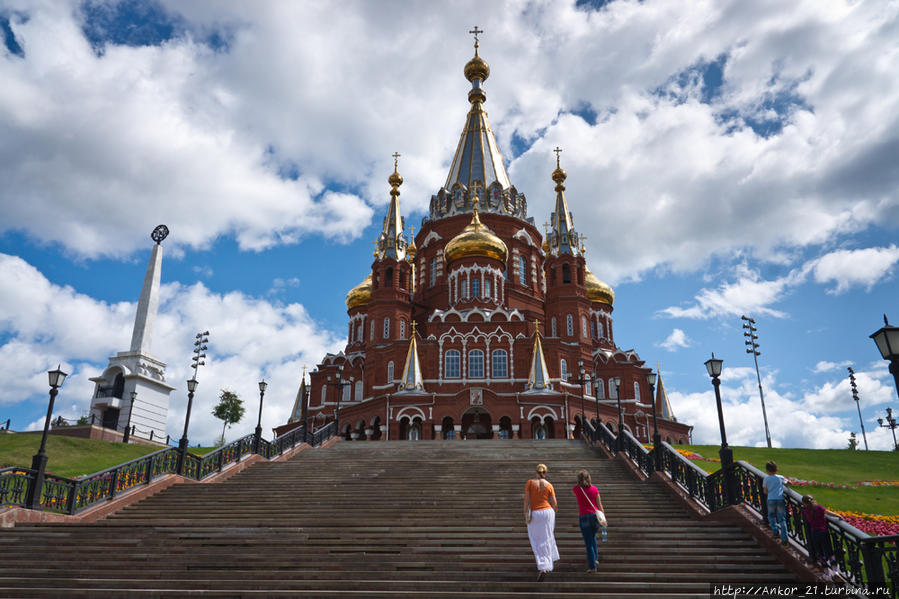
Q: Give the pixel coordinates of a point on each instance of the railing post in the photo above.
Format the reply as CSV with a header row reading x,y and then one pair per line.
x,y
151,434
113,483
70,500
150,468
221,460
872,555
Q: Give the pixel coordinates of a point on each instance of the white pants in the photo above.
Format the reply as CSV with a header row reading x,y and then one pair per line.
x,y
543,542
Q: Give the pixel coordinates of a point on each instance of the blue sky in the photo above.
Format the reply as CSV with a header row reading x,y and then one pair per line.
x,y
726,159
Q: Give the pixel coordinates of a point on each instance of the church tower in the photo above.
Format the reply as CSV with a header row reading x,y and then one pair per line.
x,y
132,388
474,328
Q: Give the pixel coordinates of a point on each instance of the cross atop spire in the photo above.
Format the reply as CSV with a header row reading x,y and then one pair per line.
x,y
396,156
476,32
558,151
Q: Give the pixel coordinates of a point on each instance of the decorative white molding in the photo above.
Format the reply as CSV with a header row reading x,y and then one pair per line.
x,y
523,236
432,236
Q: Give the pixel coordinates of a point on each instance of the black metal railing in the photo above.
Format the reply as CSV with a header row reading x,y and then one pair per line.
x,y
860,558
70,496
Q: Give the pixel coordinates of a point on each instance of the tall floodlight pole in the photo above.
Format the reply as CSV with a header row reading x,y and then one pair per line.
x,y
857,404
749,331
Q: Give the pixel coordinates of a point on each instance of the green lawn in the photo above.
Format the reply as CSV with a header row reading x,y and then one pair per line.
x,y
68,456
825,465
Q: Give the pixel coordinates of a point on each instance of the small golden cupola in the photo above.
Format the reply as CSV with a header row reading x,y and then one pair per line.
x,y
597,291
360,295
475,241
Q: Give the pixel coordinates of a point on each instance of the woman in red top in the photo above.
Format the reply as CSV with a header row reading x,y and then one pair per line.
x,y
819,547
588,501
540,514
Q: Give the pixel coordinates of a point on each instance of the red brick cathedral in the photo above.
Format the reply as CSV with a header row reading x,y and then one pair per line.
x,y
481,326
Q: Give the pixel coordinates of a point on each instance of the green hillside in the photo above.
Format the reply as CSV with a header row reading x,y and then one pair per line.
x,y
68,456
838,466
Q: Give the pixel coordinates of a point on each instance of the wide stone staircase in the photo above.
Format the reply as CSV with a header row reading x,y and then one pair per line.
x,y
385,519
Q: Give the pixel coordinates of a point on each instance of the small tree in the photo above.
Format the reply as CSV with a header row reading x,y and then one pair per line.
x,y
229,410
853,442
60,421
83,420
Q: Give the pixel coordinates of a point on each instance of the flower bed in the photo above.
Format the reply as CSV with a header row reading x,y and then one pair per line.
x,y
873,524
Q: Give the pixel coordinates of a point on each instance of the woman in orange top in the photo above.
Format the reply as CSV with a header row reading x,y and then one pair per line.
x,y
540,514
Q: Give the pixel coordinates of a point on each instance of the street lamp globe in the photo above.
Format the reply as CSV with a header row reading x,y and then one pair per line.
x,y
887,340
192,385
56,377
262,386
651,378
713,365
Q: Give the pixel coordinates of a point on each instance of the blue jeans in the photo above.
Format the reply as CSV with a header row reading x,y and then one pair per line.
x,y
589,528
777,517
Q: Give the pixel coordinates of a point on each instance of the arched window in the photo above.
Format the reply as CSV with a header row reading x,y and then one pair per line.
x,y
433,273
613,390
602,333
359,390
402,329
387,328
499,367
475,288
593,328
371,332
552,323
522,271
452,364
600,389
636,390
584,326
389,372
476,364
566,273
569,322
563,369
388,278
464,289
588,388
359,332
488,290
324,393
346,394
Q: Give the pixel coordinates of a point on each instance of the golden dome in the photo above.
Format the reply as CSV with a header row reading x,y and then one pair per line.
x,y
477,68
359,295
475,240
598,291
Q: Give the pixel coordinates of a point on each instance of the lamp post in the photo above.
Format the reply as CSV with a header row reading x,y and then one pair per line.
x,y
127,434
749,331
197,361
891,424
258,440
582,381
656,437
857,404
340,384
887,340
39,461
713,366
619,441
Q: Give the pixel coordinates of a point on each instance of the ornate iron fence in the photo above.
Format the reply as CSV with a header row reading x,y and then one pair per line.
x,y
70,496
861,559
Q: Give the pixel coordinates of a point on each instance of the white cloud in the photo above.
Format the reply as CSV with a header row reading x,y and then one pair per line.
x,y
820,419
749,294
863,267
199,138
825,366
249,339
677,339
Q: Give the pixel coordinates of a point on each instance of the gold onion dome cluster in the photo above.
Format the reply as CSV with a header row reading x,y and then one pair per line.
x,y
475,241
359,295
598,291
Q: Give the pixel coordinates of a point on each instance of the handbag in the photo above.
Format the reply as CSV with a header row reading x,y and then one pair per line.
x,y
600,516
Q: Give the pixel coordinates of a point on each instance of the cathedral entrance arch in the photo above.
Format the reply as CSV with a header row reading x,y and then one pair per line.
x,y
476,424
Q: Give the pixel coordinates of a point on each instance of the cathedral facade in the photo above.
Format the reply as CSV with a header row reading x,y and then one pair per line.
x,y
481,326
